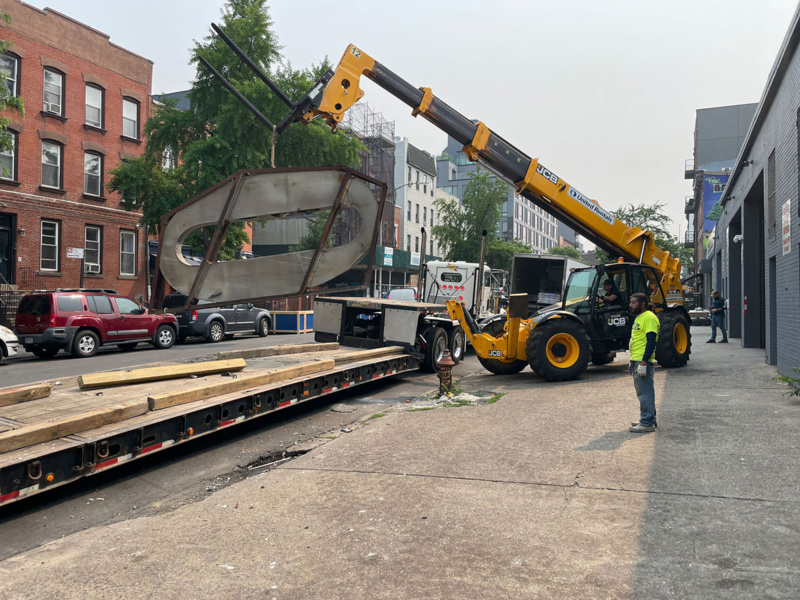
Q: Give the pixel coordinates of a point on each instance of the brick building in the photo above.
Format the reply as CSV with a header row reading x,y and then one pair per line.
x,y
86,101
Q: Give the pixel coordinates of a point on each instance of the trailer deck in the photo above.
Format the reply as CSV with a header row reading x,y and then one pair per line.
x,y
45,465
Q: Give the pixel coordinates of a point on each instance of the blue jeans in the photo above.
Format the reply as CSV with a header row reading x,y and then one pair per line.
x,y
718,320
646,392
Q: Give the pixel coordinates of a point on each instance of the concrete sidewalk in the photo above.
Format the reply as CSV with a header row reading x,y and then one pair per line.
x,y
543,494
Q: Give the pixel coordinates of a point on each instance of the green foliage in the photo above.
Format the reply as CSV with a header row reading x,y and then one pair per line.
x,y
218,136
565,251
460,229
794,382
648,217
6,99
316,224
499,253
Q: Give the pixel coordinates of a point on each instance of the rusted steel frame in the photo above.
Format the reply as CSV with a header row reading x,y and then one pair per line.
x,y
326,231
217,238
376,233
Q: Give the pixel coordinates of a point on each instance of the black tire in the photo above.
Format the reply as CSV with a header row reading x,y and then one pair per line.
x,y
558,350
436,339
600,359
496,366
85,344
3,353
458,343
127,347
164,337
674,339
44,352
216,331
263,327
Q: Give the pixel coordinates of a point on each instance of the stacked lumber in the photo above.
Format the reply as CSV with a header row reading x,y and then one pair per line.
x,y
9,396
279,350
112,378
241,383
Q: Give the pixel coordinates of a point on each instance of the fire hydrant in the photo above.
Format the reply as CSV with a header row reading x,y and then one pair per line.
x,y
445,366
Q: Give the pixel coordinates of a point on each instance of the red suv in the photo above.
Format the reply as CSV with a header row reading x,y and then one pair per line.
x,y
82,320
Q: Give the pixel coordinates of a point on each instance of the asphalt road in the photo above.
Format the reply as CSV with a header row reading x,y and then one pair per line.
x,y
27,368
169,479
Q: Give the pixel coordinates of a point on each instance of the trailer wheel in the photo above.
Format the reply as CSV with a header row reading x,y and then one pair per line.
x,y
458,344
494,365
558,350
674,340
436,338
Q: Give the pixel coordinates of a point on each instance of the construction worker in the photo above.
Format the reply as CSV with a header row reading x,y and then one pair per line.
x,y
717,318
644,335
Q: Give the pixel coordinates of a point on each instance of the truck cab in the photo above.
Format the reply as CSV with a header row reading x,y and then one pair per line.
x,y
445,281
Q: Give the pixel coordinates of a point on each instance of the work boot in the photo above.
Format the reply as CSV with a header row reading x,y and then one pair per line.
x,y
635,423
711,342
725,341
639,428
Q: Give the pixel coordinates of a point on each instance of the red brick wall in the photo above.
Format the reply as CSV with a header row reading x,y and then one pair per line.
x,y
121,73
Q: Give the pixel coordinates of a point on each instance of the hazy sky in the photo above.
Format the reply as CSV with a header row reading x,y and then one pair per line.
x,y
603,93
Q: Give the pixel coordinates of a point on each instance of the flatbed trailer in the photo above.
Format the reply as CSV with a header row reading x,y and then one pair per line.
x,y
40,467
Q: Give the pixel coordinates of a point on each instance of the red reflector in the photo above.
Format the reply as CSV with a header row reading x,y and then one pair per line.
x,y
52,320
461,297
194,315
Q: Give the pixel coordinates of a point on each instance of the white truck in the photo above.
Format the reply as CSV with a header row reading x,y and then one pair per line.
x,y
443,281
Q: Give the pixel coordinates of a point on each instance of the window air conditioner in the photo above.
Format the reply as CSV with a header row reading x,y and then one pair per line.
x,y
92,268
53,108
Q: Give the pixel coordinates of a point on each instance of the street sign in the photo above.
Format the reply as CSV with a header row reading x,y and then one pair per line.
x,y
415,259
75,253
388,257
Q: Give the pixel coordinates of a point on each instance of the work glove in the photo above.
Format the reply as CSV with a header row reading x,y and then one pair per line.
x,y
641,370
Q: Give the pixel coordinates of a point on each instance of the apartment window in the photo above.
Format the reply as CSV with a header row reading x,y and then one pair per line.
x,y
408,212
432,221
504,226
53,92
417,183
51,232
92,174
431,246
168,159
424,215
51,164
127,253
9,67
408,243
773,224
94,106
130,119
8,159
453,174
409,174
416,243
417,213
92,248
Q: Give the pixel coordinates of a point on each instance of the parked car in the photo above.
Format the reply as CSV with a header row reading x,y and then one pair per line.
x,y
80,320
214,324
9,344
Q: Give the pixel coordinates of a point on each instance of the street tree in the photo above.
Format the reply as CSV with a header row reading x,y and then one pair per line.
x,y
565,251
218,136
461,226
7,99
499,253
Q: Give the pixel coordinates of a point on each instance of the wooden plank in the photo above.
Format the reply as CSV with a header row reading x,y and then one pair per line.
x,y
9,396
244,382
279,350
111,378
51,430
361,355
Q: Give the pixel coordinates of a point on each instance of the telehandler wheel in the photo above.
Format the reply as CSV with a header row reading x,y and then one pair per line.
x,y
558,350
674,340
494,365
458,343
436,338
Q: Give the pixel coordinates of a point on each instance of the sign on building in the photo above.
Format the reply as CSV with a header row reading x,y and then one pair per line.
x,y
388,257
713,186
415,259
74,252
786,229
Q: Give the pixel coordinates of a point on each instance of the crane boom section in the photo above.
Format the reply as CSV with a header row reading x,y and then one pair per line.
x,y
532,179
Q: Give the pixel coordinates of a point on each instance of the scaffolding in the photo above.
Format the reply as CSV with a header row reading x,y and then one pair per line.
x,y
377,160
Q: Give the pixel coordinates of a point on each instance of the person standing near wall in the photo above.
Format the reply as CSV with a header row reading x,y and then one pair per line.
x,y
644,336
717,318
